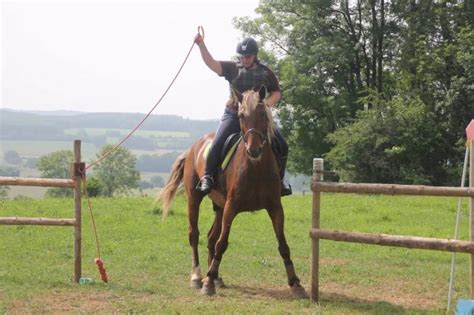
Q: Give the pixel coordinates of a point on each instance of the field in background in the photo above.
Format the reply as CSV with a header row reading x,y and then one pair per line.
x,y
35,149
149,261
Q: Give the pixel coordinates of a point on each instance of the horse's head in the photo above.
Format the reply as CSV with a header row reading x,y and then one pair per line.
x,y
256,122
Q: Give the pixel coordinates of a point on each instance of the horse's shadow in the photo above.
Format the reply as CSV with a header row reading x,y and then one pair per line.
x,y
343,302
367,306
273,293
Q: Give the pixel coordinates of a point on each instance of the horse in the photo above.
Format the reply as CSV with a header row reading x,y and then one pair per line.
x,y
251,182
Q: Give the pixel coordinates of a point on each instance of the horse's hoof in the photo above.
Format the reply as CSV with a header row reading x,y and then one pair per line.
x,y
298,292
196,283
208,287
220,283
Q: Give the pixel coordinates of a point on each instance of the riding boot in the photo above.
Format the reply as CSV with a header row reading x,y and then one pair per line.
x,y
206,184
285,186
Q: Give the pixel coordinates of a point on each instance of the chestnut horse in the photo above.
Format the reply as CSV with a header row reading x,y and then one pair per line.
x,y
251,183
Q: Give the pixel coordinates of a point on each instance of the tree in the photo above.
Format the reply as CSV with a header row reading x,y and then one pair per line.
x,y
94,187
9,171
56,165
117,172
388,144
12,157
157,181
339,59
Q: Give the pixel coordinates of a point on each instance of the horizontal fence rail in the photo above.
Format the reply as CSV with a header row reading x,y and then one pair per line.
x,y
391,189
316,233
395,240
37,221
39,182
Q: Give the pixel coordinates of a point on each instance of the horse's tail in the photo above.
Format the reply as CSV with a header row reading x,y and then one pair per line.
x,y
168,192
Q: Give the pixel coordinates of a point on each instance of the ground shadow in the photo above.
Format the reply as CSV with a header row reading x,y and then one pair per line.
x,y
370,306
274,293
344,303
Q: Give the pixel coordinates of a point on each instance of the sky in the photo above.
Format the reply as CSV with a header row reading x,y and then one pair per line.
x,y
116,56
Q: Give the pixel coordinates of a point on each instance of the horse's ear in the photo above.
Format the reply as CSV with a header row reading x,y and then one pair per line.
x,y
236,95
262,92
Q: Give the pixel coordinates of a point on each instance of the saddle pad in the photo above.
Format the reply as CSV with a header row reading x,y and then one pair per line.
x,y
229,151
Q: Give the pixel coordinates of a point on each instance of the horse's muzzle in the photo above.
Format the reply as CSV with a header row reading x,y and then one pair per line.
x,y
255,153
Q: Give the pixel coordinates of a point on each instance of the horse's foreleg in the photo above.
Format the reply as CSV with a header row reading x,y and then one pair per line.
x,y
278,221
193,234
220,247
214,233
212,238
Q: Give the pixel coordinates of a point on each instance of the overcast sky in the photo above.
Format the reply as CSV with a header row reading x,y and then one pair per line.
x,y
116,56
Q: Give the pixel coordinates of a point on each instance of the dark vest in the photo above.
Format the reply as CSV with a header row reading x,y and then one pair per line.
x,y
248,79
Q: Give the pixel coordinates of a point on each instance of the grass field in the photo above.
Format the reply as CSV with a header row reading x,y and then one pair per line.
x,y
149,262
31,148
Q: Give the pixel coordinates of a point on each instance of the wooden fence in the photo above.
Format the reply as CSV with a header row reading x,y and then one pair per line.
x,y
317,233
73,183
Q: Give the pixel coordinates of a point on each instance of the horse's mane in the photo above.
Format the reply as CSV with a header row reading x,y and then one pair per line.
x,y
250,100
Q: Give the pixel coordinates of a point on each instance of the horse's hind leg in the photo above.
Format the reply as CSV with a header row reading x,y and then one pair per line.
x,y
278,219
194,201
212,238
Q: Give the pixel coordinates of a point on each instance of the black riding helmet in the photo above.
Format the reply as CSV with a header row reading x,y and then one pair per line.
x,y
248,46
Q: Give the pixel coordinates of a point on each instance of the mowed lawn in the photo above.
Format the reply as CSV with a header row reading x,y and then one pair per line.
x,y
149,261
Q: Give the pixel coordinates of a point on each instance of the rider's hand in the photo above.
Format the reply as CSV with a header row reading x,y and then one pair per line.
x,y
198,38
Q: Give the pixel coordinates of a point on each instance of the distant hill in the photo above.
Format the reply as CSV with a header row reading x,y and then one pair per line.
x,y
26,125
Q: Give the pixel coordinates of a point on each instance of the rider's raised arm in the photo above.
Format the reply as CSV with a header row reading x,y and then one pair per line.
x,y
213,64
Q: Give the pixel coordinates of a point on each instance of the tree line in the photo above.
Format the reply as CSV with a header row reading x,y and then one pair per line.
x,y
381,89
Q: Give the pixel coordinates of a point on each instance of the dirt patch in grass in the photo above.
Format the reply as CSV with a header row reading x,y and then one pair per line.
x,y
67,302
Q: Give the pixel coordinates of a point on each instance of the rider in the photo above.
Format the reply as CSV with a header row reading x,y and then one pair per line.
x,y
244,75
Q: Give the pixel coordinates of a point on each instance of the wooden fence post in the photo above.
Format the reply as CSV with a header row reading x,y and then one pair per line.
x,y
317,176
471,213
77,212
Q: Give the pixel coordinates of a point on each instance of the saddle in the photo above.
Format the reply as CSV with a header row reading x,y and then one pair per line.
x,y
228,149
231,144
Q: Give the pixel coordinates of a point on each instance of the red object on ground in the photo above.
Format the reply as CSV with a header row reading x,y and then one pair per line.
x,y
103,273
470,130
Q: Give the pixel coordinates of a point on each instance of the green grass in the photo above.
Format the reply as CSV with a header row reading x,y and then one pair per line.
x,y
149,262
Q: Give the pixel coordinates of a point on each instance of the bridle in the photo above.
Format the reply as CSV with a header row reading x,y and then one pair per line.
x,y
257,132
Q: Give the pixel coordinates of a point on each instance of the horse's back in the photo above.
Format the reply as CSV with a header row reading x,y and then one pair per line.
x,y
195,162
